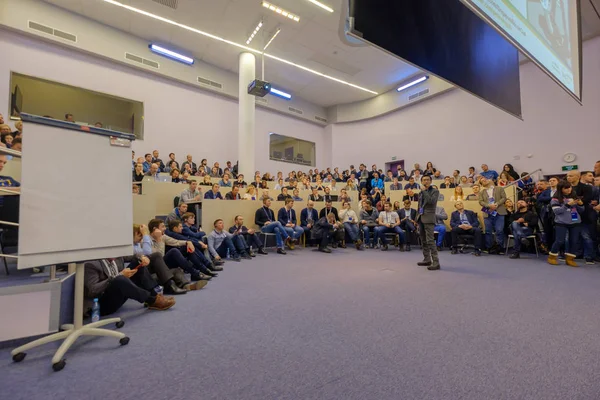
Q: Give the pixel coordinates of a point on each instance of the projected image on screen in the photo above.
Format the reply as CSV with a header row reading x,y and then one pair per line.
x,y
545,30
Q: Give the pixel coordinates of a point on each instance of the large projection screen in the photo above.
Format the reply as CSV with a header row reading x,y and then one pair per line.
x,y
546,31
446,39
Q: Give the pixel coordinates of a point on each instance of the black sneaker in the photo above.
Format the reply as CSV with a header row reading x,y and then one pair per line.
x,y
515,255
246,256
262,251
590,261
501,252
477,253
454,251
384,247
281,251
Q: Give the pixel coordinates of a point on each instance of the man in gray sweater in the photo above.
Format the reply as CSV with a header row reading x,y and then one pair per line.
x,y
220,241
112,284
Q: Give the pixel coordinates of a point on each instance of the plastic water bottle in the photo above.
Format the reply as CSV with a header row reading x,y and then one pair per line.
x,y
228,256
158,289
96,311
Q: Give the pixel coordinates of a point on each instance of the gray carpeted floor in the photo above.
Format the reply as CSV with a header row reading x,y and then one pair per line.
x,y
351,325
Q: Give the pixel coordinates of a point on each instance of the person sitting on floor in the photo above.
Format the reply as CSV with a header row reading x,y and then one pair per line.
x,y
109,281
175,231
174,258
222,243
350,220
523,224
408,218
214,194
250,237
264,217
177,213
179,253
369,220
142,247
389,222
465,223
189,228
287,217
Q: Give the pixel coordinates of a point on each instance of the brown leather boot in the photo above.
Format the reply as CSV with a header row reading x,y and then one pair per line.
x,y
553,258
162,303
570,260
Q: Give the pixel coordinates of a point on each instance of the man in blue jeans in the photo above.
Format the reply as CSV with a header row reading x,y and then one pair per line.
x,y
221,242
492,198
287,217
389,222
523,223
440,226
265,218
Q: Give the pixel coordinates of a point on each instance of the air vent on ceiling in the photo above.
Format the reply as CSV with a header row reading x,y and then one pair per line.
x,y
51,31
321,119
141,60
261,100
169,3
296,110
415,96
208,82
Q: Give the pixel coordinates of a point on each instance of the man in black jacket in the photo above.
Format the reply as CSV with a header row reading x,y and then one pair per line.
x,y
523,223
250,236
112,284
589,217
323,230
339,233
265,218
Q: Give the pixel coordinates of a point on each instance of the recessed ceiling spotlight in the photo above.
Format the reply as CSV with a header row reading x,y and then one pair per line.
x,y
281,11
238,45
323,6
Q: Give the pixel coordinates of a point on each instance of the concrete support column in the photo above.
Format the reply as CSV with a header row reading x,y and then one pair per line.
x,y
246,119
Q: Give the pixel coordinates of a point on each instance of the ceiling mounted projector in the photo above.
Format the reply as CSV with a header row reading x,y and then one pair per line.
x,y
259,88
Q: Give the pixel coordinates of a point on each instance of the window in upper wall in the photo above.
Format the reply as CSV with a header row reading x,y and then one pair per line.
x,y
291,150
53,99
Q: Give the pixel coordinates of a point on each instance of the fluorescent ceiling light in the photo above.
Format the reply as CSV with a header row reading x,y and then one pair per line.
x,y
281,11
413,83
171,54
323,6
260,24
281,93
241,46
272,38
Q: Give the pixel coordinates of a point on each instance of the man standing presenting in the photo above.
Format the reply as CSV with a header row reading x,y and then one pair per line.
x,y
428,199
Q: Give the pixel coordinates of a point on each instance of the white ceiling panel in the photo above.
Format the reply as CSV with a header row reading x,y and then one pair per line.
x,y
313,42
